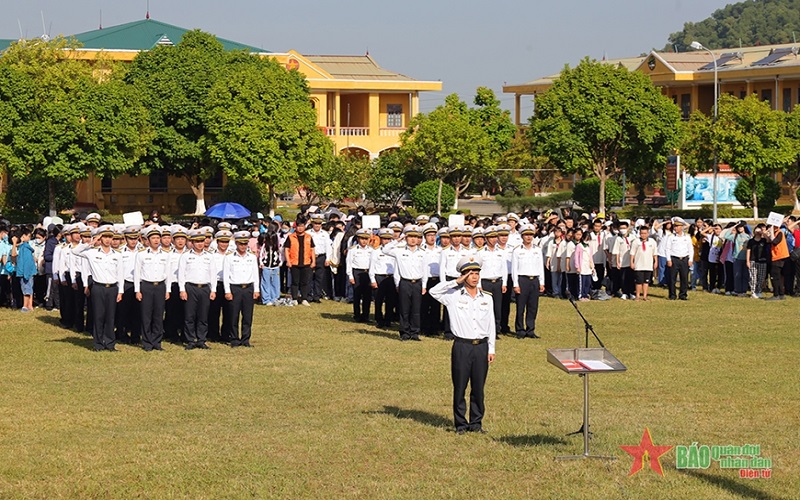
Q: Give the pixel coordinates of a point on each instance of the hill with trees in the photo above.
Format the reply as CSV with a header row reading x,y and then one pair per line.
x,y
748,23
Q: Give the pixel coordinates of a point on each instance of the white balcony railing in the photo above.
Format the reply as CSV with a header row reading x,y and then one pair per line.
x,y
354,131
392,131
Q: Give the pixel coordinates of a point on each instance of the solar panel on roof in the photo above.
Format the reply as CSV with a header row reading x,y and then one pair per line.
x,y
775,56
723,59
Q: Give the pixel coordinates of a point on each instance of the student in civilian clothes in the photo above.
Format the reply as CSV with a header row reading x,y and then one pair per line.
x,y
300,259
644,261
583,262
622,254
571,274
759,253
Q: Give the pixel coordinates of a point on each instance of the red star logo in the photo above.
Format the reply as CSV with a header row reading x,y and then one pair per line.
x,y
646,451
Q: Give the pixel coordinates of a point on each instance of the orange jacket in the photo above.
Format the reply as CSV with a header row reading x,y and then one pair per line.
x,y
294,250
780,250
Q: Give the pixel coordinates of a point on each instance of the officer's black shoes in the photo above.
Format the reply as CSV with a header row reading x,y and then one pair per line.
x,y
416,337
159,348
533,335
521,335
189,347
202,345
461,432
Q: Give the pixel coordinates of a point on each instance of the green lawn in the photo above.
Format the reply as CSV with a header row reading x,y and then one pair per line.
x,y
323,407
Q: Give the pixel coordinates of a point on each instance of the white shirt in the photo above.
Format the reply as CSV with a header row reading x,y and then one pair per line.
x,y
433,258
643,257
470,318
174,259
449,259
679,246
358,257
410,263
238,269
104,267
153,267
322,242
380,263
218,258
57,262
527,262
622,247
494,265
195,268
128,262
598,247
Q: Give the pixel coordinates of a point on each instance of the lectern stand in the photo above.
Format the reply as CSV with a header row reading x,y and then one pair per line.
x,y
583,362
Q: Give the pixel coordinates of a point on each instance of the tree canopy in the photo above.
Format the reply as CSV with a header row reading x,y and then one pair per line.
x,y
752,22
597,119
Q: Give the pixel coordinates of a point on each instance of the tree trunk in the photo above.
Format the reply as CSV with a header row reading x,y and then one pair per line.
x,y
602,201
795,201
755,200
51,197
199,190
272,201
439,197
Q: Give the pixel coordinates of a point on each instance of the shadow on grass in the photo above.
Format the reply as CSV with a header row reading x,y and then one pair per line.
x,y
420,416
392,335
347,318
530,440
50,320
85,342
729,483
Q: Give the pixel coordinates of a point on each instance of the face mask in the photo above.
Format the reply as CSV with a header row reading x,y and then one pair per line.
x,y
284,230
623,232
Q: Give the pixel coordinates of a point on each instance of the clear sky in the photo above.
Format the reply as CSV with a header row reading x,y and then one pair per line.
x,y
463,43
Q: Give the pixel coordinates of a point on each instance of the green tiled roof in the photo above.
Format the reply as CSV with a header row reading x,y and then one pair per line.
x,y
143,35
4,44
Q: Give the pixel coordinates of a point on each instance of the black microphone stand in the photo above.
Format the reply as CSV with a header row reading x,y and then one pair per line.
x,y
588,328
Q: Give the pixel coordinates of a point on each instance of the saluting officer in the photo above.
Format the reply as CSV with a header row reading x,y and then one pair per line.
x,y
408,280
195,278
358,260
381,277
240,282
104,266
152,282
527,273
472,319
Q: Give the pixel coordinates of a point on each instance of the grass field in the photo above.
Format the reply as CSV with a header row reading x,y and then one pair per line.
x,y
323,407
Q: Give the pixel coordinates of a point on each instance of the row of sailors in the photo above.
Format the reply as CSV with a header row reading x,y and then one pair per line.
x,y
416,263
93,262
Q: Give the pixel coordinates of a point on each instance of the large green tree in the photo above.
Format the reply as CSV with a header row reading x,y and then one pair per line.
x,y
748,135
752,22
68,118
597,117
496,122
175,82
261,126
447,142
791,175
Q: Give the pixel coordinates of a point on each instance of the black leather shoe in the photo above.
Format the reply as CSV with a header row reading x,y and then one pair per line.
x,y
416,337
203,346
533,335
521,335
159,348
189,347
461,432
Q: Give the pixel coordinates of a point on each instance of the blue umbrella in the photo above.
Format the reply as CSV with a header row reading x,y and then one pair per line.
x,y
228,210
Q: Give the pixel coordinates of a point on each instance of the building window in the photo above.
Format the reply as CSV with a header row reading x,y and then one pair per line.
x,y
158,182
394,115
105,185
787,100
742,94
686,106
766,95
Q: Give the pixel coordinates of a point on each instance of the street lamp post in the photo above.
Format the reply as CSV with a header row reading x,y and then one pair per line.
x,y
699,46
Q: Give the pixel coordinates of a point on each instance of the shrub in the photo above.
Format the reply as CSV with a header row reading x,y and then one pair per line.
x,y
244,192
586,193
424,196
767,190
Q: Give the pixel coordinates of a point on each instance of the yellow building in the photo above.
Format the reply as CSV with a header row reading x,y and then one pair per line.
x,y
362,107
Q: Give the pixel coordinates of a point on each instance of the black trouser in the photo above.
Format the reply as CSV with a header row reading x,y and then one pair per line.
x,y
680,268
469,364
385,299
241,305
615,277
600,269
729,283
174,315
505,307
128,317
318,287
152,313
573,284
431,315
285,278
548,284
104,302
301,282
40,289
527,305
788,276
410,302
362,295
495,287
5,290
715,276
67,309
796,286
79,304
626,281
215,307
340,283
53,294
776,273
195,327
